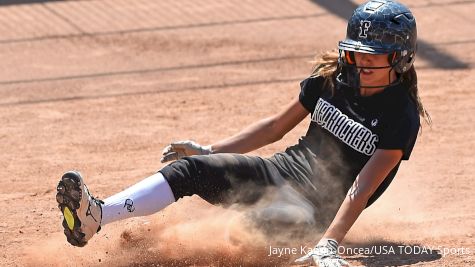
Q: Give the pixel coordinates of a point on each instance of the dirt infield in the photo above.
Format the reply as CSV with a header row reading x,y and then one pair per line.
x,y
103,86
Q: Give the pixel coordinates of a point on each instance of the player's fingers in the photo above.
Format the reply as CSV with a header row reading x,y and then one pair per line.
x,y
167,150
169,157
344,263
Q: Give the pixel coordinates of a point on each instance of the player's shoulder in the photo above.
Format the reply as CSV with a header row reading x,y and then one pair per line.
x,y
313,81
317,84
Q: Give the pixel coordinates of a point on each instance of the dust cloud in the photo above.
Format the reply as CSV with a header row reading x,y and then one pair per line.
x,y
192,232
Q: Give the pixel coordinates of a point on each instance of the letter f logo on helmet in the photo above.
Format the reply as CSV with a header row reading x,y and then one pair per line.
x,y
364,27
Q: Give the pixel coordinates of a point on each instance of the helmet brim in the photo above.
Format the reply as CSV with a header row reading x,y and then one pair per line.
x,y
356,46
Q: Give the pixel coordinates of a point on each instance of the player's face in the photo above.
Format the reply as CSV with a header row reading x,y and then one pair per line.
x,y
374,77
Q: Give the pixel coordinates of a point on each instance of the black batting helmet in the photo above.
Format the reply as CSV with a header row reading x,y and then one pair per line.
x,y
381,27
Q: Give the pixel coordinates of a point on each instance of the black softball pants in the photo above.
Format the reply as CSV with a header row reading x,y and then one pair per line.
x,y
222,178
234,178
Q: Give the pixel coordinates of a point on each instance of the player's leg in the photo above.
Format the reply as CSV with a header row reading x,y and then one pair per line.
x,y
223,178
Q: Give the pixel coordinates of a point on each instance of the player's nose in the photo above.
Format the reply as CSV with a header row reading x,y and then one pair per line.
x,y
366,59
363,59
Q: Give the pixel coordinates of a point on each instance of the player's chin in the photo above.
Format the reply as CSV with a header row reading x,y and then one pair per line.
x,y
371,87
366,83
370,82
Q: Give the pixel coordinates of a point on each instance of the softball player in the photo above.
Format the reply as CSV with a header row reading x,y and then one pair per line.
x,y
364,108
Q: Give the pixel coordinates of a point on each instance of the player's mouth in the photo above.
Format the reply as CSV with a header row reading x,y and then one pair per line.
x,y
364,71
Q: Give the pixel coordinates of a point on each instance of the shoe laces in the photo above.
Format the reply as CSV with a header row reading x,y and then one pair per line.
x,y
96,200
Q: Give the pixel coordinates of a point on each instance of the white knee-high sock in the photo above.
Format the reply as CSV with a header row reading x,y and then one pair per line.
x,y
144,198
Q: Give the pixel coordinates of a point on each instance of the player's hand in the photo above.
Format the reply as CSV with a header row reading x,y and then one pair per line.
x,y
325,254
180,149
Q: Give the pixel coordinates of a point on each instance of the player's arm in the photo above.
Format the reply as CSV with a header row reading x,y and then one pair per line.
x,y
263,132
368,180
366,183
254,136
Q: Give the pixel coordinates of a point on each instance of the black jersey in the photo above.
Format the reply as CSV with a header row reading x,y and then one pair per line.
x,y
345,131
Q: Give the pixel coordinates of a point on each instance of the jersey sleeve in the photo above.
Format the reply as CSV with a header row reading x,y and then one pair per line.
x,y
310,90
401,134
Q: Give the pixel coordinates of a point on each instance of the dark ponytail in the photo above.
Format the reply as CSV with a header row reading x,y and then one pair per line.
x,y
410,79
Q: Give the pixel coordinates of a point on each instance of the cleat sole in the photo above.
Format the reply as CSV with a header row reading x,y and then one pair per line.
x,y
68,197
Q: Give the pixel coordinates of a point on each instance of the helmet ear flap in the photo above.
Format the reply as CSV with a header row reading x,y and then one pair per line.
x,y
350,57
392,57
401,61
